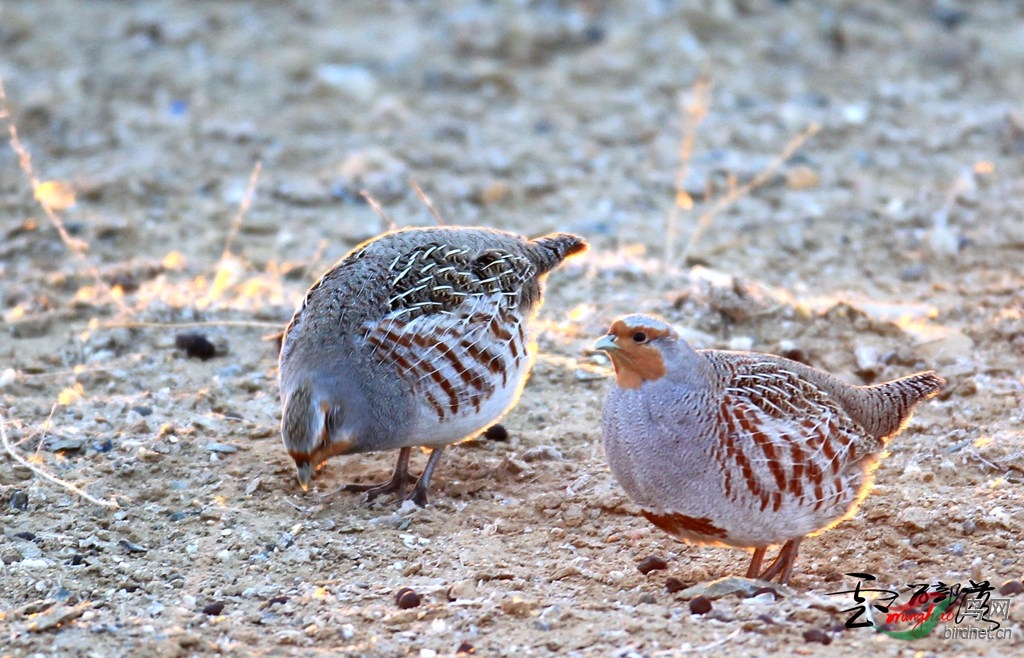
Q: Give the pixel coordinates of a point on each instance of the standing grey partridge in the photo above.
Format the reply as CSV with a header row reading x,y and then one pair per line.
x,y
417,337
743,449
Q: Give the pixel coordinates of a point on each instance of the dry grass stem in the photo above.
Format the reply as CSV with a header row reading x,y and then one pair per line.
x,y
427,202
737,192
46,475
75,246
243,208
388,224
693,114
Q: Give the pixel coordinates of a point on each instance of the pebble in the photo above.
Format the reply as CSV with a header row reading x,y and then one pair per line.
x,y
195,345
214,609
915,518
817,635
462,590
496,433
19,500
673,585
34,563
1011,587
539,453
726,586
354,81
700,605
10,555
406,598
651,563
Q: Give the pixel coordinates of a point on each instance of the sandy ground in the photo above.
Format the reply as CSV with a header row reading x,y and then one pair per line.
x,y
892,240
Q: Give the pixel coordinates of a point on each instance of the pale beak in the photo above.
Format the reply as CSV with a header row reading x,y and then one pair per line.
x,y
305,474
606,343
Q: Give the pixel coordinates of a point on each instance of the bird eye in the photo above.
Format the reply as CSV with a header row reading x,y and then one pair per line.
x,y
639,337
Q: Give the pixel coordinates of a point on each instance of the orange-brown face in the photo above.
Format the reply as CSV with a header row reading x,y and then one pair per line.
x,y
628,344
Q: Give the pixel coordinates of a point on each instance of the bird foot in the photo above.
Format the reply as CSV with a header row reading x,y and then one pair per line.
x,y
396,485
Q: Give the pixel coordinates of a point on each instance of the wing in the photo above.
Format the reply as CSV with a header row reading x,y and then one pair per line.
x,y
785,441
438,278
456,360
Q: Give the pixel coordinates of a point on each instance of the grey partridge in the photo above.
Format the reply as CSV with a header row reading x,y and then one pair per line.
x,y
743,449
418,337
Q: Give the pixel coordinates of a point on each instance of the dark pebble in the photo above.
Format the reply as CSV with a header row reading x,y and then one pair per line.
x,y
651,563
106,445
142,409
700,605
594,34
465,649
276,600
1011,587
214,608
817,635
27,536
19,500
766,590
674,585
196,345
130,547
406,598
76,560
496,433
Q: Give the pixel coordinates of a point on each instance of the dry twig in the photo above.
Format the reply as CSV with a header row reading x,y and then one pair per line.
x,y
46,475
76,247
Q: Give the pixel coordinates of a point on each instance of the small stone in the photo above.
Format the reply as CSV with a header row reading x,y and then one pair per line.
x,y
221,447
651,563
462,590
19,500
465,649
214,609
130,547
673,585
1011,587
142,409
10,555
700,605
915,518
542,453
406,598
352,80
647,597
34,564
195,345
726,586
802,177
817,635
516,606
496,433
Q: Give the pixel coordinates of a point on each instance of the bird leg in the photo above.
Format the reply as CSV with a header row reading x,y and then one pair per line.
x,y
755,563
782,565
400,479
419,494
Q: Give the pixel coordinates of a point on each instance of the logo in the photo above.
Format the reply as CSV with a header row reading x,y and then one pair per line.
x,y
968,611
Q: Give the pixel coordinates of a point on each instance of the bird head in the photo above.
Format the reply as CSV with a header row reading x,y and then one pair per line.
x,y
636,345
310,428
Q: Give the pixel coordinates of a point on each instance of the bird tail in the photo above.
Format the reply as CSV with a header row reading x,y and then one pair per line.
x,y
902,396
550,250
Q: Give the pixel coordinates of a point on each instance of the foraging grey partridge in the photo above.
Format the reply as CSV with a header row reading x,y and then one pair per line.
x,y
417,337
743,449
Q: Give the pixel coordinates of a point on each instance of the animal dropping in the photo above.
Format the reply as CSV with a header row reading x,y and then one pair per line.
x,y
743,449
418,337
